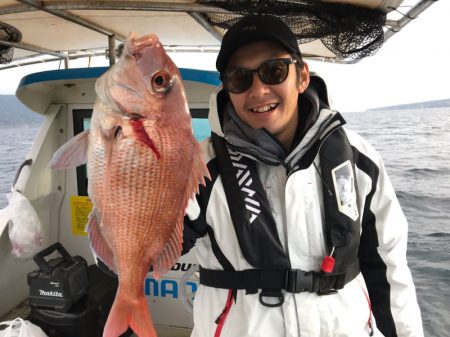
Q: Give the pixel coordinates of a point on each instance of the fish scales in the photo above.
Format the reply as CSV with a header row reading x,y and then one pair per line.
x,y
150,204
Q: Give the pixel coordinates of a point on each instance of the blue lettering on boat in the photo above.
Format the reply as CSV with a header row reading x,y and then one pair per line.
x,y
166,287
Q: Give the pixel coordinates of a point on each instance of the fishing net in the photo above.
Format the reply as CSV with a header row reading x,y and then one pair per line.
x,y
346,30
10,34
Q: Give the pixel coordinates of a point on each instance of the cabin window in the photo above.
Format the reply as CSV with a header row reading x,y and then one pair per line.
x,y
82,121
200,123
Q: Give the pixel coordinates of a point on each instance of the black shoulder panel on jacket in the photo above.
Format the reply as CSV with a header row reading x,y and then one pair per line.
x,y
342,225
253,222
372,265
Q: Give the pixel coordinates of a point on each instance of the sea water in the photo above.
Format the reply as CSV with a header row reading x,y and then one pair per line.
x,y
415,147
15,144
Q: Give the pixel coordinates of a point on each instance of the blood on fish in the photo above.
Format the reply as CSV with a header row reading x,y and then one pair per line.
x,y
141,134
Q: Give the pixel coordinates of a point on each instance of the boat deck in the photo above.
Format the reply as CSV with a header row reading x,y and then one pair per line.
x,y
23,311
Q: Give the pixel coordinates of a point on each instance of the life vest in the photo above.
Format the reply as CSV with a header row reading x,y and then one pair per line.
x,y
257,233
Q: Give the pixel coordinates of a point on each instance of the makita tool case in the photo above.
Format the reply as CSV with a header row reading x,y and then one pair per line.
x,y
88,316
60,282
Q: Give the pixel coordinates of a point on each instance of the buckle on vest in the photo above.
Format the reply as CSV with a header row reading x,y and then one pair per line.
x,y
274,294
298,281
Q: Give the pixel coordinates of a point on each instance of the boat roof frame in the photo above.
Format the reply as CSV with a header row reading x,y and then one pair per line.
x,y
61,9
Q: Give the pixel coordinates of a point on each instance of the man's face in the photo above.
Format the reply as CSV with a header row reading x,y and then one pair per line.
x,y
273,107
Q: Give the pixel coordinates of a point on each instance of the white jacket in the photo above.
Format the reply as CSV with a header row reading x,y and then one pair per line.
x,y
296,203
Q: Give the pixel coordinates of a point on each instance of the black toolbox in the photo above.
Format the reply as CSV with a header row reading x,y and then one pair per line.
x,y
88,316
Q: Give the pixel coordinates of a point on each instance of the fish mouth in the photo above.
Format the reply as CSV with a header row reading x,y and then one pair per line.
x,y
137,44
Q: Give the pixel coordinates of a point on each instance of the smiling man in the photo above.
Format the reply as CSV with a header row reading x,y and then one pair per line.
x,y
297,207
272,107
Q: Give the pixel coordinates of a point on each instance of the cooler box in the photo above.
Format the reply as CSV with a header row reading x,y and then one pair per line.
x,y
88,316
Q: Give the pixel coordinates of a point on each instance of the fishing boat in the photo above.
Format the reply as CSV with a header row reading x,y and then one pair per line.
x,y
33,31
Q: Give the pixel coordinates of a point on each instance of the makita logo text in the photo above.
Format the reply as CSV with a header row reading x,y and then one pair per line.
x,y
50,293
245,183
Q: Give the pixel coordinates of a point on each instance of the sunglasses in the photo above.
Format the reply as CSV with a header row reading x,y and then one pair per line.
x,y
274,71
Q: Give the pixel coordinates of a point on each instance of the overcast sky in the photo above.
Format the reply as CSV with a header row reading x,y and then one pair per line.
x,y
412,66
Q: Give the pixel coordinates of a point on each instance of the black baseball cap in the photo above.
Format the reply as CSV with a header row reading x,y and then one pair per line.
x,y
254,28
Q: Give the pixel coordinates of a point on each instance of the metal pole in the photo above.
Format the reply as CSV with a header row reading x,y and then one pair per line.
x,y
205,24
117,5
411,15
112,49
136,5
35,49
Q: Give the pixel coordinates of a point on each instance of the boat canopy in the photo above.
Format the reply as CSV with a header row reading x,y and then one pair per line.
x,y
33,31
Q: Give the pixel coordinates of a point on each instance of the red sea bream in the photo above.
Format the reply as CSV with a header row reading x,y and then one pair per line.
x,y
144,165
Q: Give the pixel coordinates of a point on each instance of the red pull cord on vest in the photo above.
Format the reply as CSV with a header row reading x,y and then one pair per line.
x,y
369,321
328,263
223,316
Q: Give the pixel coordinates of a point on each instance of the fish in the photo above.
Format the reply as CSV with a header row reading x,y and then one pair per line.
x,y
144,165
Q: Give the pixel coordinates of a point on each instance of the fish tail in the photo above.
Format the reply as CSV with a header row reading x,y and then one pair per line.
x,y
132,313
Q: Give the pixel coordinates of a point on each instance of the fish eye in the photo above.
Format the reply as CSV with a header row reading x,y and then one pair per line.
x,y
161,82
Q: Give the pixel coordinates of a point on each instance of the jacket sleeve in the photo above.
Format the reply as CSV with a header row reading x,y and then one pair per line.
x,y
382,255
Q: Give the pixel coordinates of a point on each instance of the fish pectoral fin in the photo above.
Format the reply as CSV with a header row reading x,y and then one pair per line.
x,y
73,153
99,246
171,252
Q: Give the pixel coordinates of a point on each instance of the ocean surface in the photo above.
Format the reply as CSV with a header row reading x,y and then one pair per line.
x,y
415,146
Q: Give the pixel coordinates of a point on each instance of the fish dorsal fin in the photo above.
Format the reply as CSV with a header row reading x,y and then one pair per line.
x,y
73,153
172,250
99,246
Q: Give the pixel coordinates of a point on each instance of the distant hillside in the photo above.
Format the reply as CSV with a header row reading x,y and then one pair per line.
x,y
14,113
442,103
